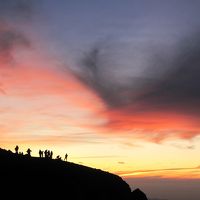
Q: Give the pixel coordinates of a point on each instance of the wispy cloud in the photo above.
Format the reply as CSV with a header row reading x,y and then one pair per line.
x,y
96,157
165,172
121,162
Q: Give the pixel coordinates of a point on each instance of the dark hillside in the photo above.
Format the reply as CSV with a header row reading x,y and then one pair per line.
x,y
42,177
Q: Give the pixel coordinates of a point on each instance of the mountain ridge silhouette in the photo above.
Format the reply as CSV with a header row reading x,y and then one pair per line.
x,y
44,178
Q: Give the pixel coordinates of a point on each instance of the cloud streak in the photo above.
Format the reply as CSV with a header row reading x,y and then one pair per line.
x,y
160,172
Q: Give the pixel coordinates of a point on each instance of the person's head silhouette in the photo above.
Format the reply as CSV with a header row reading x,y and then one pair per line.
x,y
28,151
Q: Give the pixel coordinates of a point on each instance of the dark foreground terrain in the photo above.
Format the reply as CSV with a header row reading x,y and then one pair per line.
x,y
28,177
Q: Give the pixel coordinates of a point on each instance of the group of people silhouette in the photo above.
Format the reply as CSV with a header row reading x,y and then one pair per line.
x,y
17,151
42,154
45,154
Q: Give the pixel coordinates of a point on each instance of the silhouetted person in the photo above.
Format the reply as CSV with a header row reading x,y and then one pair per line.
x,y
66,155
46,154
58,157
40,153
16,149
28,152
51,154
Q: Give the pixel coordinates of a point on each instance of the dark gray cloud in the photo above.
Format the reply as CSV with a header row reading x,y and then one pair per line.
x,y
19,9
179,87
96,71
170,81
93,74
9,40
11,34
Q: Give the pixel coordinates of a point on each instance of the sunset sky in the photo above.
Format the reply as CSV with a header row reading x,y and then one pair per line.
x,y
115,84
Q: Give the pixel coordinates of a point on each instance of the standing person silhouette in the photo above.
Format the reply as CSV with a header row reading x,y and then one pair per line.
x,y
66,155
16,149
40,153
45,153
28,152
51,154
